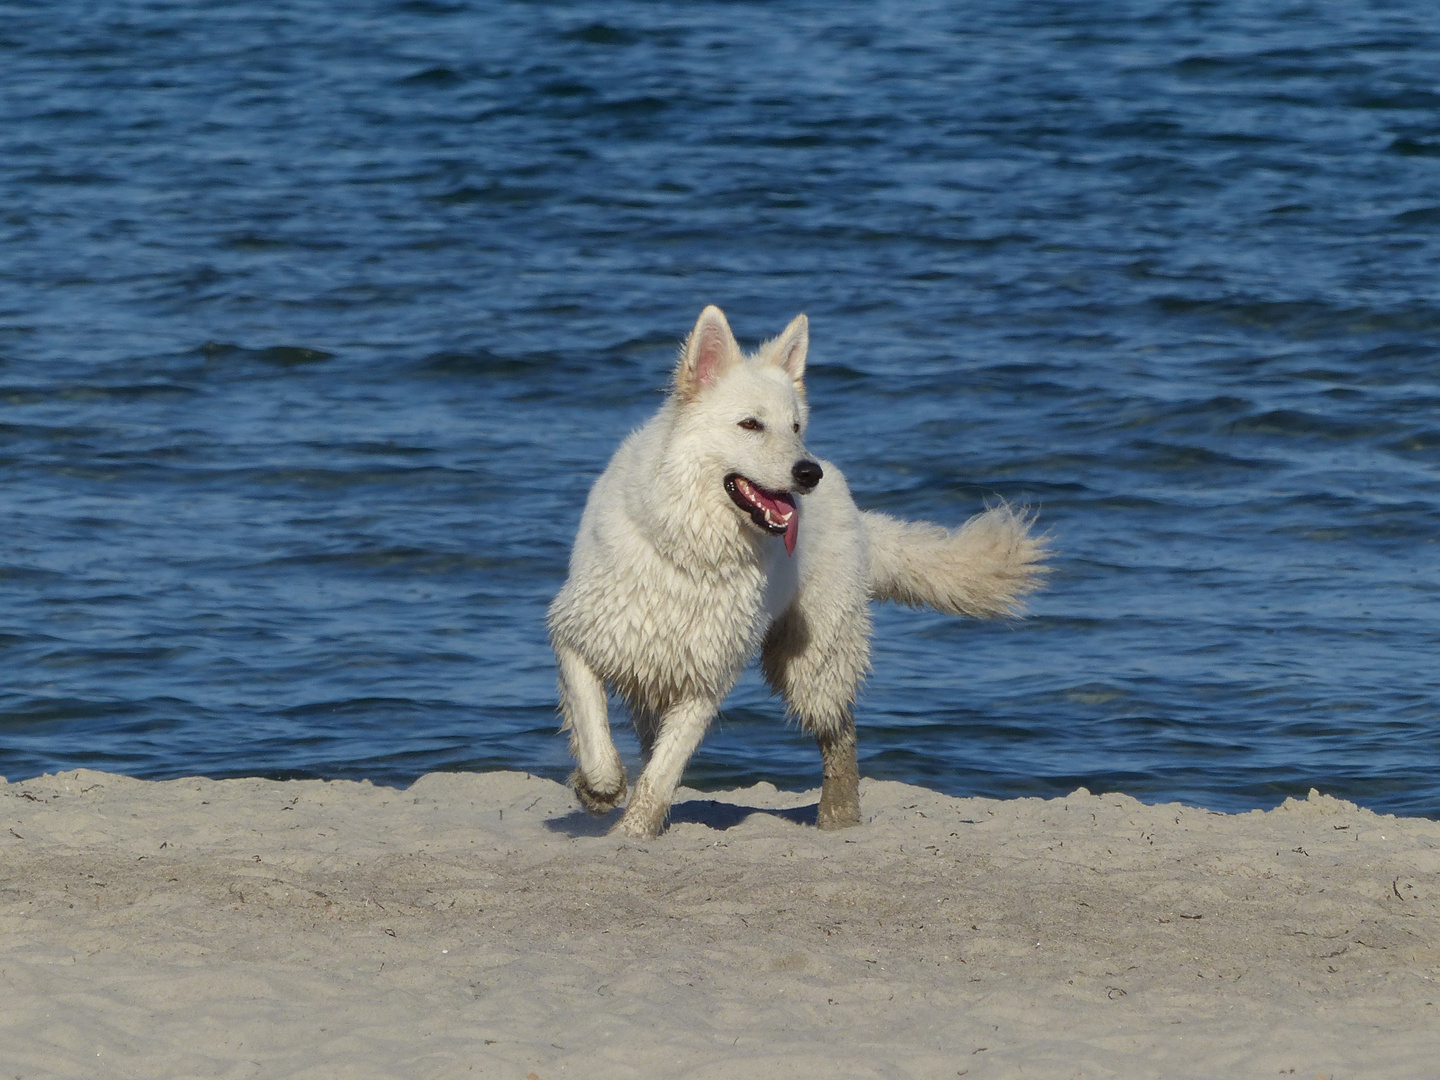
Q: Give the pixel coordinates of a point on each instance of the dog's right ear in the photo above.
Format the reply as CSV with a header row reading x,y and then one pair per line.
x,y
707,354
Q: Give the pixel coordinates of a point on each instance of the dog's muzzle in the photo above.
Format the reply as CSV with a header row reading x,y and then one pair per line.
x,y
807,474
773,511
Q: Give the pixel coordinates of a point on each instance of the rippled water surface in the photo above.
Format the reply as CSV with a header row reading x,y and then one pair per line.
x,y
317,320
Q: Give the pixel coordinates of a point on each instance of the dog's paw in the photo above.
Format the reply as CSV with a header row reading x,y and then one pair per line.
x,y
595,800
837,813
645,816
843,819
639,826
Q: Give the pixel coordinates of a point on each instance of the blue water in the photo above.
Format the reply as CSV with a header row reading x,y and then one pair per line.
x,y
317,321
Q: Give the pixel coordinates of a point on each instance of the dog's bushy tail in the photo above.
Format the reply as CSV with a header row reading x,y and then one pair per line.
x,y
982,568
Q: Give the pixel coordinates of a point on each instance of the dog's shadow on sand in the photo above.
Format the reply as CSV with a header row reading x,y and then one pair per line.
x,y
708,812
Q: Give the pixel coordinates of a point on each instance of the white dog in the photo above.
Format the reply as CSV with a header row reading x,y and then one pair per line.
x,y
713,535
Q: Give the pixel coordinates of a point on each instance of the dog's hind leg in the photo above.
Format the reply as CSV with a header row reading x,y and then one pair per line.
x,y
599,779
647,728
681,729
840,794
815,656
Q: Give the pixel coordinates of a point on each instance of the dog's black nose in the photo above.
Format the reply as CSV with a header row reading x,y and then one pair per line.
x,y
807,474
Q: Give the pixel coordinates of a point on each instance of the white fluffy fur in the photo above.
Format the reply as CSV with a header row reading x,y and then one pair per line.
x,y
673,589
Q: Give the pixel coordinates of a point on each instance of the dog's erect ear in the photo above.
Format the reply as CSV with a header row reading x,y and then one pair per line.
x,y
708,353
788,350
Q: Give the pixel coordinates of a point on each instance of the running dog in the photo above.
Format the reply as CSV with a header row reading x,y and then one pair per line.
x,y
713,535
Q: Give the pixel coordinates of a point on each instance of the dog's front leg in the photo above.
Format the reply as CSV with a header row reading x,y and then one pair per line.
x,y
599,780
681,729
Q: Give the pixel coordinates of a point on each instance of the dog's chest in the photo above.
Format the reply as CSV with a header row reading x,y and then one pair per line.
x,y
781,574
676,633
717,614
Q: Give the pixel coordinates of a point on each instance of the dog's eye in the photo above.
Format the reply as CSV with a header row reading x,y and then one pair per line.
x,y
751,424
796,427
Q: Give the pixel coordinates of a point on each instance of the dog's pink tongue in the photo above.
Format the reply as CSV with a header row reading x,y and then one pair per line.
x,y
792,531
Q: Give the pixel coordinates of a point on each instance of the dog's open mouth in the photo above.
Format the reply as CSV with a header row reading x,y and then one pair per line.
x,y
773,511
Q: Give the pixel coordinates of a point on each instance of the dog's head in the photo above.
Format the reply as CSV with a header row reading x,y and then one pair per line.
x,y
743,419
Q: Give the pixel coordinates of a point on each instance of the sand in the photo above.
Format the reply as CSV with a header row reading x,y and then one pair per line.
x,y
479,926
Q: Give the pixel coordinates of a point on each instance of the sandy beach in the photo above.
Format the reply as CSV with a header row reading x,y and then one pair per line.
x,y
479,925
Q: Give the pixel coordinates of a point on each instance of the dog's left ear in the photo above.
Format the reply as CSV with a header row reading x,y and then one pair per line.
x,y
787,351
